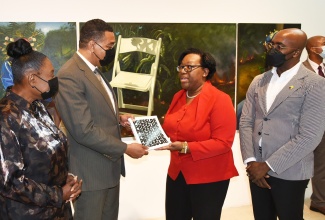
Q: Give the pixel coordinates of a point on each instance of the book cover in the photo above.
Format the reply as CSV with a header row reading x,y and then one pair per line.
x,y
148,131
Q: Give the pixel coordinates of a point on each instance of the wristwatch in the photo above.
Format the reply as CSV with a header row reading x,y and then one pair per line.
x,y
184,148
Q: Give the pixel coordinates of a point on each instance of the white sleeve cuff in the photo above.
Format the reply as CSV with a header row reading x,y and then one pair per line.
x,y
250,159
269,166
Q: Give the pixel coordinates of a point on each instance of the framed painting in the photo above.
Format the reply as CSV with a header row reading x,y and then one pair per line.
x,y
57,40
251,54
217,39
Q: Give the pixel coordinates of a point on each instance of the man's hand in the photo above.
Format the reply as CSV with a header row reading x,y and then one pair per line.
x,y
124,120
136,150
257,172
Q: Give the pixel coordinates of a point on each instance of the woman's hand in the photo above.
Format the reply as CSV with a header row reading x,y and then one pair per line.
x,y
175,146
72,188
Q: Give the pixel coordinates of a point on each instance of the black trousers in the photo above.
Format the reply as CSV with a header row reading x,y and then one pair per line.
x,y
198,201
284,200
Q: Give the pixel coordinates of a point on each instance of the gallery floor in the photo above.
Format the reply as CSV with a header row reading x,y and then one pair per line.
x,y
246,213
143,177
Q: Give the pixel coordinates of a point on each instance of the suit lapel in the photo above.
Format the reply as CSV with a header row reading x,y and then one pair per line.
x,y
293,85
264,84
113,93
95,82
93,79
308,66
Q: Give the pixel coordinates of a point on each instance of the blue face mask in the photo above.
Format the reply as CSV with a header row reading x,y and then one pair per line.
x,y
46,102
322,54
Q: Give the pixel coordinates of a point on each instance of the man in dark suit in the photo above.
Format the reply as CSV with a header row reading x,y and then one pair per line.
x,y
316,53
87,105
282,122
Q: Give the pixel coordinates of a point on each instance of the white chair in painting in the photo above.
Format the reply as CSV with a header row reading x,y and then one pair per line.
x,y
141,82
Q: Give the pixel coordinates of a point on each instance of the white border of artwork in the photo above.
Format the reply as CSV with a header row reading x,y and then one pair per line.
x,y
158,131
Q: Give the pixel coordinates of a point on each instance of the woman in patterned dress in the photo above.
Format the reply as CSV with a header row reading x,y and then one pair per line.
x,y
34,180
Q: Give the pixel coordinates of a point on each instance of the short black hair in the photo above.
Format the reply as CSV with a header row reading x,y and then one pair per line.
x,y
207,60
93,30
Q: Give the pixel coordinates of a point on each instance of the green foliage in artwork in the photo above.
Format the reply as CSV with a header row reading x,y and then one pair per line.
x,y
217,39
58,44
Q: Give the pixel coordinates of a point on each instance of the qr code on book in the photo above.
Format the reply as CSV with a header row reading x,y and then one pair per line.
x,y
149,131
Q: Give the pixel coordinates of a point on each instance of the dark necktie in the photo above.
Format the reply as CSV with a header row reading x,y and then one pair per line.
x,y
320,71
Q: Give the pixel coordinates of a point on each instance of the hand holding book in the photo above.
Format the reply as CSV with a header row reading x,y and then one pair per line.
x,y
148,131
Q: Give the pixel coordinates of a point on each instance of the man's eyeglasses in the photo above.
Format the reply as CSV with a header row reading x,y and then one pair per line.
x,y
110,47
271,45
187,68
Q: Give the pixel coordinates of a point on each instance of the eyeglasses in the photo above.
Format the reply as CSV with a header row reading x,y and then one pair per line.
x,y
277,46
111,47
187,68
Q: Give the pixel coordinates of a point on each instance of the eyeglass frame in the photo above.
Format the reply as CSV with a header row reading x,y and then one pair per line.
x,y
189,68
103,47
277,46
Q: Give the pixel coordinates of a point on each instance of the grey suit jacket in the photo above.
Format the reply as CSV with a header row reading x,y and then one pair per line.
x,y
308,66
290,130
95,147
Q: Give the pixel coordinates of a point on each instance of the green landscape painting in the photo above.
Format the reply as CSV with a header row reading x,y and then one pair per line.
x,y
252,53
217,39
57,40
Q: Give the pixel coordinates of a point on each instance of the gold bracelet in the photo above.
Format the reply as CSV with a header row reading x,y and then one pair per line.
x,y
184,148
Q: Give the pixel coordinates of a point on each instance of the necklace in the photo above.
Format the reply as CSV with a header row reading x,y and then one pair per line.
x,y
191,97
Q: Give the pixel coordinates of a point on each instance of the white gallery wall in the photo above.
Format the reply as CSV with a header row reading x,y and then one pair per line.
x,y
142,191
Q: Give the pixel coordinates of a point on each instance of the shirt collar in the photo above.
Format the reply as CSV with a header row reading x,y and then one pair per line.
x,y
288,73
315,65
91,66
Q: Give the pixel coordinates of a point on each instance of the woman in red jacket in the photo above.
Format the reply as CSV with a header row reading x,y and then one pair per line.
x,y
201,124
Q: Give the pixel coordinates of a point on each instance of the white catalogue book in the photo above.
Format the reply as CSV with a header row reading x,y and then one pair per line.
x,y
148,132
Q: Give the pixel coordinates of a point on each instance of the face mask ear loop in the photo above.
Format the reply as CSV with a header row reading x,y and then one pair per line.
x,y
41,78
34,87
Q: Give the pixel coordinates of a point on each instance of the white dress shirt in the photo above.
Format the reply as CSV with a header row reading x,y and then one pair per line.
x,y
315,66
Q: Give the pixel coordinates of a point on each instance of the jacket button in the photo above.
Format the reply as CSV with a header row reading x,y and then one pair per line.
x,y
265,119
259,133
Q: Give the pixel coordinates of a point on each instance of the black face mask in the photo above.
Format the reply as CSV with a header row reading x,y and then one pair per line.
x,y
109,57
54,87
275,58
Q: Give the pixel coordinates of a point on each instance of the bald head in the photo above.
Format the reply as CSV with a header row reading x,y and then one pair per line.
x,y
290,43
315,41
293,37
315,49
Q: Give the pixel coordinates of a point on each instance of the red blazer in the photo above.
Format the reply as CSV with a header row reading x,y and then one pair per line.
x,y
208,124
